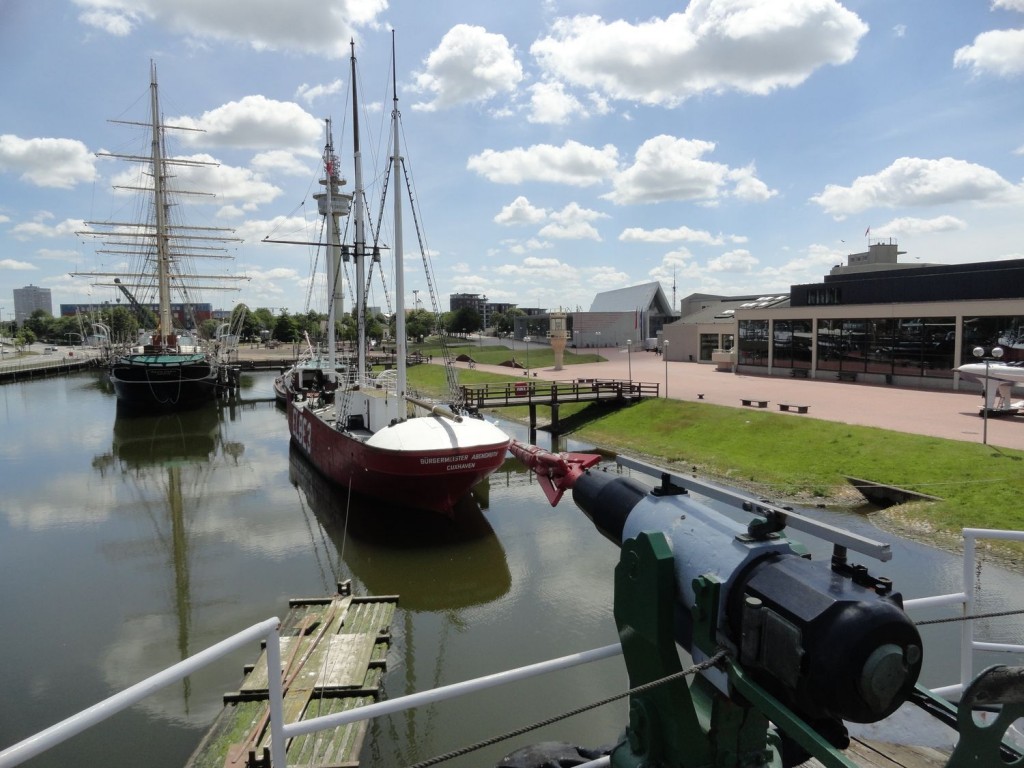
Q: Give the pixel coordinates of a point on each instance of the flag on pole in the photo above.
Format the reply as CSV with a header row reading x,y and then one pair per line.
x,y
636,317
867,231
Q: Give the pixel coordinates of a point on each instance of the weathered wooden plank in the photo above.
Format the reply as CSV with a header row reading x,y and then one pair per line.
x,y
341,747
348,658
303,626
870,754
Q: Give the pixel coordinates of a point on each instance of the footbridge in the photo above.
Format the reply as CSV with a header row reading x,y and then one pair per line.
x,y
552,394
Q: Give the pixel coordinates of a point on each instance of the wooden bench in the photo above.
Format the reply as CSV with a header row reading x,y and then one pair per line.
x,y
793,407
846,375
751,401
798,372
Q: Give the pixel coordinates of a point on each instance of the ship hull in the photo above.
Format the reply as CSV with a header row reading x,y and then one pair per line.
x,y
163,382
431,478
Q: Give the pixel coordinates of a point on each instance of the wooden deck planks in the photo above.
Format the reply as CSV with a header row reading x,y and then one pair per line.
x,y
868,754
333,652
338,661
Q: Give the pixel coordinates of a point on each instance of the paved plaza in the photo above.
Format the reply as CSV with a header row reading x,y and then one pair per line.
x,y
948,414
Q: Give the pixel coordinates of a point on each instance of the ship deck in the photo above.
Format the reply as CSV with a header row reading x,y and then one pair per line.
x,y
333,656
870,754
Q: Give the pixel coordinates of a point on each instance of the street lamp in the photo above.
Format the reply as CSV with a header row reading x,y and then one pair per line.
x,y
527,339
598,334
664,354
629,358
997,353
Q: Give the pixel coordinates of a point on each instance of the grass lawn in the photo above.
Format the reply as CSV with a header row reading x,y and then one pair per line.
x,y
803,460
540,355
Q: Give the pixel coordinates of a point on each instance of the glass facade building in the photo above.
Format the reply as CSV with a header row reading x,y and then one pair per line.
x,y
880,321
890,349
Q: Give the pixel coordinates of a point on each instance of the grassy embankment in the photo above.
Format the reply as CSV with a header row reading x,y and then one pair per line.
x,y
797,459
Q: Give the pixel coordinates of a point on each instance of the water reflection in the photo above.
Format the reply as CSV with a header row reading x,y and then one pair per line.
x,y
165,464
394,551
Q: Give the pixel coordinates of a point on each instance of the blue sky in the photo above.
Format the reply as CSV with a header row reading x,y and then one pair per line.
x,y
558,148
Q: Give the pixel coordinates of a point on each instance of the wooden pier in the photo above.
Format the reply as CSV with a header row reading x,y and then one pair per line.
x,y
552,394
333,655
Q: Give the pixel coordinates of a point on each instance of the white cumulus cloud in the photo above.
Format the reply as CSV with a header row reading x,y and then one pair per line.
x,y
253,122
752,46
740,260
679,234
311,26
914,181
551,104
908,225
998,52
670,168
573,163
57,163
520,211
469,65
573,223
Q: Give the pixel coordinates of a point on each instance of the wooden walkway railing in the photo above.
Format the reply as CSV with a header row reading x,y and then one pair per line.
x,y
532,393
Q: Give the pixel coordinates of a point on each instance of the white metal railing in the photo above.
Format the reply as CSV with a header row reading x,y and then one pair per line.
x,y
965,599
10,363
65,729
446,692
280,731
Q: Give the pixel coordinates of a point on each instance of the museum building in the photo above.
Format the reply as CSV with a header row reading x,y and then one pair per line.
x,y
872,320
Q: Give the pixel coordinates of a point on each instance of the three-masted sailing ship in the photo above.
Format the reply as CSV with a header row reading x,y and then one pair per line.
x,y
169,366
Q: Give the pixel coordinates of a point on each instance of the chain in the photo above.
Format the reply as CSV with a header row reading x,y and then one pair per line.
x,y
971,618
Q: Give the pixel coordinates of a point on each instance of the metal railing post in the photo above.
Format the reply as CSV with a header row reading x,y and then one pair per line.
x,y
967,626
275,697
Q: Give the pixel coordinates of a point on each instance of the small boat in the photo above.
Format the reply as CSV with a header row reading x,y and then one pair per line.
x,y
997,381
167,368
376,438
306,378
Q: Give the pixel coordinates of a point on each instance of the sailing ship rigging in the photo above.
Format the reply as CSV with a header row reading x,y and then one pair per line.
x,y
168,367
374,436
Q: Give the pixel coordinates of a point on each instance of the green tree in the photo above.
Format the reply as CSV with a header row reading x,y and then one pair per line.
x,y
285,328
464,321
418,324
312,323
263,320
208,328
345,327
245,323
375,325
40,323
504,323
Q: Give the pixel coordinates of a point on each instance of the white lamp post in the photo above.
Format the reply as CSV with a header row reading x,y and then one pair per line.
x,y
664,354
997,353
527,339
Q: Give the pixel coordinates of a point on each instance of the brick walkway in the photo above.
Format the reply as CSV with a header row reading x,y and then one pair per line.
x,y
952,415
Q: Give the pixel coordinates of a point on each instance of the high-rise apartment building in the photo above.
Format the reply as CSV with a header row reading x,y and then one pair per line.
x,y
28,299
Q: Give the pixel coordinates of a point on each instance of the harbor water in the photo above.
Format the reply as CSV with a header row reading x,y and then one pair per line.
x,y
128,544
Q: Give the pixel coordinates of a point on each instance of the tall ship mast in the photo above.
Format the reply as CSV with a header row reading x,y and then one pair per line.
x,y
169,366
372,435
